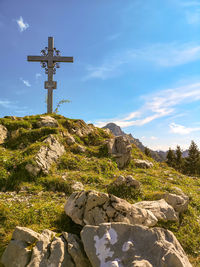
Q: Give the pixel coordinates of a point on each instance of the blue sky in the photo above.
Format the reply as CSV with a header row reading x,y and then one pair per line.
x,y
136,63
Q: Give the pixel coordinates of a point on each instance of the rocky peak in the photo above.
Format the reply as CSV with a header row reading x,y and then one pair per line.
x,y
115,129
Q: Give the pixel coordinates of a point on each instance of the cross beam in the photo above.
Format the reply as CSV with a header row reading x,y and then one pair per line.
x,y
49,60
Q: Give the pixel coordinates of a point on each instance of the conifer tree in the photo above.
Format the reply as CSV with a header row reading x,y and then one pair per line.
x,y
170,158
178,159
192,162
147,152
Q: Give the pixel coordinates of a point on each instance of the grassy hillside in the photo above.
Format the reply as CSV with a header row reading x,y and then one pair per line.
x,y
38,202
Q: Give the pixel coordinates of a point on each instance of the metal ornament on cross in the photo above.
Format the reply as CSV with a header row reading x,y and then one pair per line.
x,y
49,60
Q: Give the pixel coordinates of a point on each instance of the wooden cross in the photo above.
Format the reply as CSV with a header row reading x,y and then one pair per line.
x,y
49,60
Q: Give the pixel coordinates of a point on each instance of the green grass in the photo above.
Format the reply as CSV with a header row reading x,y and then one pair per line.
x,y
46,195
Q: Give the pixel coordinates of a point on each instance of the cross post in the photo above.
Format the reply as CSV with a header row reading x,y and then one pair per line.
x,y
49,59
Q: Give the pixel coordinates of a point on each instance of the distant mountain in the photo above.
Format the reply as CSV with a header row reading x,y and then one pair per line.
x,y
116,130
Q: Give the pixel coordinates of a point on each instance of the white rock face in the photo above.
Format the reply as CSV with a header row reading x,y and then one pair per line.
x,y
132,245
47,121
160,209
46,156
3,133
91,207
144,164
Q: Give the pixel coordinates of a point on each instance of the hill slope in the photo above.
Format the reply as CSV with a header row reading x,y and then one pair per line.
x,y
33,192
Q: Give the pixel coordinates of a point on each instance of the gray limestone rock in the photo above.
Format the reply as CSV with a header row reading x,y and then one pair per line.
x,y
127,181
3,133
46,156
47,121
76,250
179,203
143,164
30,249
160,209
16,254
91,207
124,245
120,148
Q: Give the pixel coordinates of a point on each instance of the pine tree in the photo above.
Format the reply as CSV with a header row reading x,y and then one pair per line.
x,y
178,159
170,158
192,162
147,152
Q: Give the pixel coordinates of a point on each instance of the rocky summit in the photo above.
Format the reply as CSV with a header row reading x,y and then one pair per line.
x,y
76,195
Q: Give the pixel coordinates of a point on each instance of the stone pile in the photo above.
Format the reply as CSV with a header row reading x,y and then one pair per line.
x,y
115,233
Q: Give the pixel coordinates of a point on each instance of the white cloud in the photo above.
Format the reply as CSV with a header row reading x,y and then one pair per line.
x,y
25,82
158,105
153,138
22,25
180,129
162,55
6,103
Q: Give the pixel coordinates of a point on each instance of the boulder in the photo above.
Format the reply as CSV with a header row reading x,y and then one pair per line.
x,y
30,249
91,207
127,181
47,121
143,164
46,156
120,244
179,203
120,148
160,209
76,250
3,133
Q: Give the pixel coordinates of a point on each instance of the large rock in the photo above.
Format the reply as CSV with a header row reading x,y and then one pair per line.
x,y
76,250
161,210
120,148
91,207
143,164
46,156
47,121
123,245
179,203
30,249
3,134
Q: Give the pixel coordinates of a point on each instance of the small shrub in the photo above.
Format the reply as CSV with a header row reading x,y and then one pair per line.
x,y
124,191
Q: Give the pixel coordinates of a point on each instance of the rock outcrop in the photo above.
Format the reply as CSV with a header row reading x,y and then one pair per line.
x,y
120,148
128,181
3,133
28,248
179,203
119,244
46,156
160,209
47,121
91,207
143,164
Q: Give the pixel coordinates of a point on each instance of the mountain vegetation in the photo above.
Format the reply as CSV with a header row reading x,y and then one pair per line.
x,y
33,192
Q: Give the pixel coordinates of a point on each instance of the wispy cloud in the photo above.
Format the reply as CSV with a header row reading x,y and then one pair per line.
x,y
6,103
22,25
180,129
162,55
25,82
157,105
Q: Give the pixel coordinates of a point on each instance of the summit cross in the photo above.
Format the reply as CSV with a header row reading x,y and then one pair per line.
x,y
49,59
